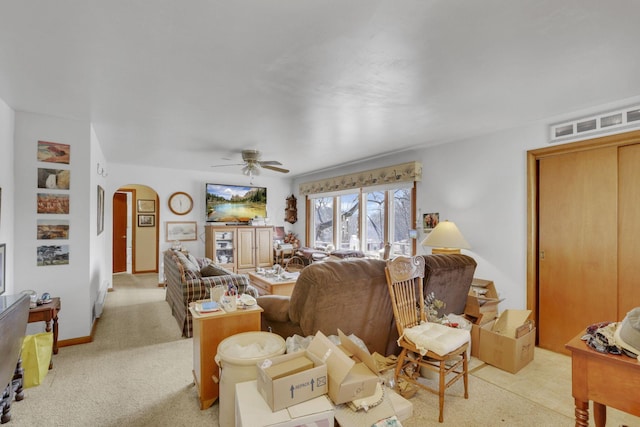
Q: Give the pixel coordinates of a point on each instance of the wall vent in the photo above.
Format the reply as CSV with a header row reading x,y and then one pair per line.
x,y
604,123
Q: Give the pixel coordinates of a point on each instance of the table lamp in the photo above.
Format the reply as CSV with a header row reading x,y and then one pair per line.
x,y
445,238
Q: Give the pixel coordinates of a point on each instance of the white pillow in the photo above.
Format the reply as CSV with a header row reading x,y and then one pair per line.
x,y
437,338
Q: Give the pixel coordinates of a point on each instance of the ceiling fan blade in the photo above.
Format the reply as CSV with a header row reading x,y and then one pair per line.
x,y
232,164
273,168
270,163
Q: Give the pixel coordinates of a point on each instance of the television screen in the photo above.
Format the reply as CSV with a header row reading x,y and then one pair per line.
x,y
235,203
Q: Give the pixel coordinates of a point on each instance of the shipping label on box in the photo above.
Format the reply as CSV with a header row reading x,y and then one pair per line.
x,y
352,371
498,345
289,379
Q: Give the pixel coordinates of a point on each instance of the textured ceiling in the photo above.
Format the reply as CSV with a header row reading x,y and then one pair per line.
x,y
191,84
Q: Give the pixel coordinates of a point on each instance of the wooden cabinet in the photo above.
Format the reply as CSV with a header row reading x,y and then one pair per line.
x,y
209,329
240,248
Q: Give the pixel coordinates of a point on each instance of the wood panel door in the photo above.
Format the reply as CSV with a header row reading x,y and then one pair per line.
x,y
628,229
119,233
577,260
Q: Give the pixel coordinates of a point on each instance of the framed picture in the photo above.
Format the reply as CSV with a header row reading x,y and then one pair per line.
x,y
146,220
185,230
3,256
430,220
53,229
54,179
53,203
53,152
100,210
53,255
146,206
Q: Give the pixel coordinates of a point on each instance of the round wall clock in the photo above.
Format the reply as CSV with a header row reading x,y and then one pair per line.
x,y
180,203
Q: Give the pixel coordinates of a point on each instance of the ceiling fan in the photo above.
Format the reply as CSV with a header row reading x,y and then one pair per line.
x,y
252,163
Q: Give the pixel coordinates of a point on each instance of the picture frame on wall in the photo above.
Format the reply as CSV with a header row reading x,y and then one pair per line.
x,y
430,220
146,220
100,210
181,230
146,206
3,257
54,152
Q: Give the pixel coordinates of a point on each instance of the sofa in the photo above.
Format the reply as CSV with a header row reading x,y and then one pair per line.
x,y
189,278
352,295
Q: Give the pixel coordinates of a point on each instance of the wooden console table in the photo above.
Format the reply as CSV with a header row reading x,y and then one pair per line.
x,y
209,329
606,379
47,313
271,285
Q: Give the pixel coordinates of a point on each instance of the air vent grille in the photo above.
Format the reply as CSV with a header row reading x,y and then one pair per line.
x,y
608,122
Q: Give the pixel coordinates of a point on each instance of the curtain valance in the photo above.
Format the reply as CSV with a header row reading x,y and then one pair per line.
x,y
405,172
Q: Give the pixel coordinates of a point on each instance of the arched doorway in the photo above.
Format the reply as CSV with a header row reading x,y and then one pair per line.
x,y
135,229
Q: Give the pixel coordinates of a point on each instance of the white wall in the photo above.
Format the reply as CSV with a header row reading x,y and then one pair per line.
x,y
99,273
70,282
480,184
167,181
6,198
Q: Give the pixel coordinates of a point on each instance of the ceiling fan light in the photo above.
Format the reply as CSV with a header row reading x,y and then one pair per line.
x,y
250,169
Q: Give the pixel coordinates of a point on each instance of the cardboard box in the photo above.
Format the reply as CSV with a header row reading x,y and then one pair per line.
x,y
498,345
298,386
252,410
352,371
482,301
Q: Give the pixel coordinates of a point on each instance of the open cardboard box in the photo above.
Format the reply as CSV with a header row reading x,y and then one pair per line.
x,y
507,342
289,379
482,307
352,371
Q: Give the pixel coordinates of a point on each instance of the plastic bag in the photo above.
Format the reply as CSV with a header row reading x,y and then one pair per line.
x,y
36,356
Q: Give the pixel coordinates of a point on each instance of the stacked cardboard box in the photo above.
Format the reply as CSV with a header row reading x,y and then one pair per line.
x,y
508,342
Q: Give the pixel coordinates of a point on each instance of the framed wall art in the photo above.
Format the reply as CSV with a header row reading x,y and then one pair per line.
x,y
146,220
53,229
53,255
53,152
430,220
181,230
3,257
146,206
53,203
58,179
100,210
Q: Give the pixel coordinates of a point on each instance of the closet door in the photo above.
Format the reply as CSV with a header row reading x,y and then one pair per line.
x,y
577,262
629,229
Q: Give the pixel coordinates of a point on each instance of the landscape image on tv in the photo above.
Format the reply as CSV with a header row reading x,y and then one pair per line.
x,y
235,203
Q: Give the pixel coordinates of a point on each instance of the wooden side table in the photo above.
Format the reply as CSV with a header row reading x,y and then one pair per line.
x,y
48,313
271,285
606,379
209,329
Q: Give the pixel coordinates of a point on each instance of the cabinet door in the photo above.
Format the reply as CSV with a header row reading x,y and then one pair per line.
x,y
578,244
264,247
628,229
246,249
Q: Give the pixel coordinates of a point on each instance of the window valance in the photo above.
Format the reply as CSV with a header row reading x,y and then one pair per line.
x,y
405,172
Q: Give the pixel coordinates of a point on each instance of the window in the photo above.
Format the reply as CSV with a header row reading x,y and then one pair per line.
x,y
365,220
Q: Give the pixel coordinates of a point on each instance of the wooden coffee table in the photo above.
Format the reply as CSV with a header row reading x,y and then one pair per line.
x,y
272,285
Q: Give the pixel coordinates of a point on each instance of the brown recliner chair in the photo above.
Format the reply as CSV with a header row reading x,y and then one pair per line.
x,y
449,277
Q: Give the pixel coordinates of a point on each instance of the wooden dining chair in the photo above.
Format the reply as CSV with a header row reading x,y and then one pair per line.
x,y
435,347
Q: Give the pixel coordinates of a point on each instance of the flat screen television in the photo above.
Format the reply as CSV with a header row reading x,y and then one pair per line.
x,y
234,204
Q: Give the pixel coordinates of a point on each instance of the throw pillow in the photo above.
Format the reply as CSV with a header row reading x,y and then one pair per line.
x,y
187,264
213,270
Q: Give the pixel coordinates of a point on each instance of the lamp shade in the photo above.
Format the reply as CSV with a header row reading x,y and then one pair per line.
x,y
446,235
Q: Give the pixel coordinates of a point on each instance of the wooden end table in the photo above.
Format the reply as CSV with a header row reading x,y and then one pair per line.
x,y
209,329
271,285
607,379
47,313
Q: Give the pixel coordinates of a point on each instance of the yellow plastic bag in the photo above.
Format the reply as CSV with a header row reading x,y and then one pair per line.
x,y
36,356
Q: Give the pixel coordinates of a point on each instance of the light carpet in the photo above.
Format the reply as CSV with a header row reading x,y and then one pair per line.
x,y
138,372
